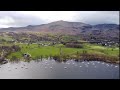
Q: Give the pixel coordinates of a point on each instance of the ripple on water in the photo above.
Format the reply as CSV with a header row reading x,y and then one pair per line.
x,y
98,62
93,63
80,66
95,66
103,63
65,67
111,65
68,63
88,63
75,64
116,66
107,65
82,62
50,67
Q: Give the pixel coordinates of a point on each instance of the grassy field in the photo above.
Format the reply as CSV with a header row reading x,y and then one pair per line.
x,y
92,51
46,51
110,51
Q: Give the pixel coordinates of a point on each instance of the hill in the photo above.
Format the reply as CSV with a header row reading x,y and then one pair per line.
x,y
70,28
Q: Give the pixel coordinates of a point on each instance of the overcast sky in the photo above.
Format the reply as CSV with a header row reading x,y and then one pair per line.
x,y
24,18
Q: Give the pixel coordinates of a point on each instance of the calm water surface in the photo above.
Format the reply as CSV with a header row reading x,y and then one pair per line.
x,y
50,69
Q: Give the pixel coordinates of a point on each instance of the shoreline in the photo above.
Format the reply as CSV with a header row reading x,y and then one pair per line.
x,y
61,53
64,59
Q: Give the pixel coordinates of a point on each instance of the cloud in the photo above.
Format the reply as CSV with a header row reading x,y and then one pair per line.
x,y
17,19
99,17
49,16
6,20
24,18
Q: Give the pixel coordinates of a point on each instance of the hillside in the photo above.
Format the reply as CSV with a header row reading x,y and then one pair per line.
x,y
70,28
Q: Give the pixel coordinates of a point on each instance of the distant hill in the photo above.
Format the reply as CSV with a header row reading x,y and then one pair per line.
x,y
71,28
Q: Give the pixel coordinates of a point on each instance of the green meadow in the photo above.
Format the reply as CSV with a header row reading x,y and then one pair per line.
x,y
36,50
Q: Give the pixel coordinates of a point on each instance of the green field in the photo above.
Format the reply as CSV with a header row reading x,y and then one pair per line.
x,y
36,51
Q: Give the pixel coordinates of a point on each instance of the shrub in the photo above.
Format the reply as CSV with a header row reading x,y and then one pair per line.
x,y
72,45
14,58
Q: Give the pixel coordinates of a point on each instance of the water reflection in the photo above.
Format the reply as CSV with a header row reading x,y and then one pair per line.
x,y
55,69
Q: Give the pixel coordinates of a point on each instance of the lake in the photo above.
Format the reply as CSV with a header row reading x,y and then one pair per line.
x,y
51,69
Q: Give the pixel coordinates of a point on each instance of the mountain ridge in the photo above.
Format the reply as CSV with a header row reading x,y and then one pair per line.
x,y
60,21
65,27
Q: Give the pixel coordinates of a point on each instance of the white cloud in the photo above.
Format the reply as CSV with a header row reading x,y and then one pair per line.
x,y
52,15
99,17
6,20
24,18
4,26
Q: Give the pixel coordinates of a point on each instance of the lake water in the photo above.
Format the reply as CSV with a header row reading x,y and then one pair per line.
x,y
50,69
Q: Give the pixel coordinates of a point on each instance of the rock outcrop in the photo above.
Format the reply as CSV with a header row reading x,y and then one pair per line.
x,y
3,60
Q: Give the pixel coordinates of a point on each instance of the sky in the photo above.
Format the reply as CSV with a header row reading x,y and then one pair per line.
x,y
25,18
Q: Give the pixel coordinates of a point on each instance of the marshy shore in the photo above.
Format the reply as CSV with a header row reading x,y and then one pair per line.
x,y
60,52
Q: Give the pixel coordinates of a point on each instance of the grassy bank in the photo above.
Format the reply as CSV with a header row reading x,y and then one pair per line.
x,y
59,51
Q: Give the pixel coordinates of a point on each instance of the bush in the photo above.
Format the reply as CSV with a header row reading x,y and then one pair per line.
x,y
72,45
16,48
14,58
